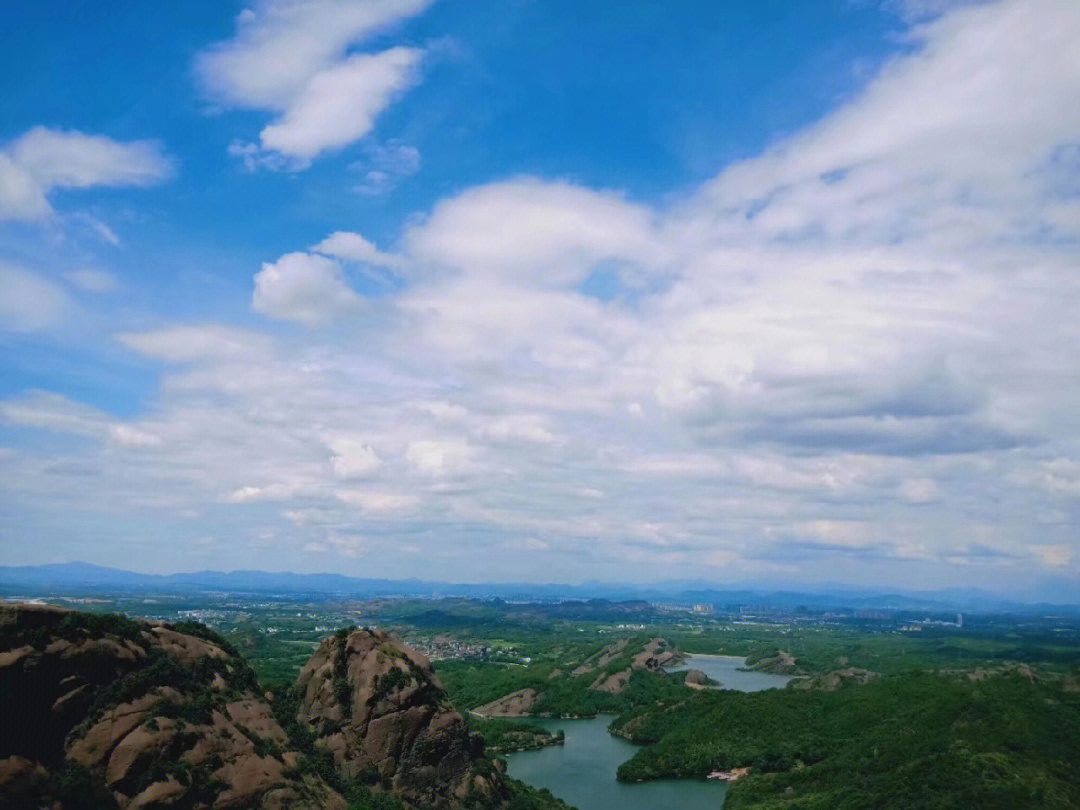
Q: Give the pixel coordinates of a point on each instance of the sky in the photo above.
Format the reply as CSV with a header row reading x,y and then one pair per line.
x,y
538,291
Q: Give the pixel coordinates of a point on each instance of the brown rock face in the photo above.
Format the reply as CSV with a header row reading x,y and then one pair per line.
x,y
381,713
516,704
152,715
614,683
655,655
696,678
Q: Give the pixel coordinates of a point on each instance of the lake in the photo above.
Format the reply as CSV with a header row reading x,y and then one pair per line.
x,y
582,771
725,669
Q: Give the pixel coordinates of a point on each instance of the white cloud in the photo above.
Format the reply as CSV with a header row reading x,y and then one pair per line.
x,y
42,159
443,411
30,302
281,44
132,436
1058,475
92,280
345,545
520,427
303,287
254,494
353,456
760,379
440,457
550,233
1053,556
355,248
385,166
58,159
294,58
340,104
376,500
21,196
187,344
44,410
919,490
852,533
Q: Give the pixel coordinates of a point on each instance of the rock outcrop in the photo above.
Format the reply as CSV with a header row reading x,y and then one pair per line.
x,y
782,663
602,658
696,679
835,679
377,708
103,711
653,655
515,704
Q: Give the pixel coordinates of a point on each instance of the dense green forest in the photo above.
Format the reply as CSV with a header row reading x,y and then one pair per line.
x,y
918,740
503,735
472,683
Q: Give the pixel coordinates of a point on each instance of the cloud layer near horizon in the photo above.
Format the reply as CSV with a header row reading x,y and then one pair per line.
x,y
849,358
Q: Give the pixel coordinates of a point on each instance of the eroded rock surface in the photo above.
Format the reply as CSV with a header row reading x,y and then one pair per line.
x,y
696,679
148,714
379,710
515,704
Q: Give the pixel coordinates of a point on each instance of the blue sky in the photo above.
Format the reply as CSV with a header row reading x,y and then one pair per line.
x,y
760,292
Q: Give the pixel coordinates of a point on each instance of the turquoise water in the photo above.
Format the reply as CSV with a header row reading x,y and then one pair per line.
x,y
582,772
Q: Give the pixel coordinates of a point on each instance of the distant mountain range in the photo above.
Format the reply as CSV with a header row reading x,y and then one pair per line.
x,y
78,577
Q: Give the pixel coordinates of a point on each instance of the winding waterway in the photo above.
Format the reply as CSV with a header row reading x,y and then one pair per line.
x,y
582,771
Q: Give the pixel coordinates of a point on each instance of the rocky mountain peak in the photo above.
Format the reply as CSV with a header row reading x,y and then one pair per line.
x,y
378,709
104,711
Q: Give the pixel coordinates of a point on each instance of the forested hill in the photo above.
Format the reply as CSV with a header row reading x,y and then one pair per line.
x,y
919,740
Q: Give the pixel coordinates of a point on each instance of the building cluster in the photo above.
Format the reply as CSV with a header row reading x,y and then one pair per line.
x,y
701,608
443,647
916,626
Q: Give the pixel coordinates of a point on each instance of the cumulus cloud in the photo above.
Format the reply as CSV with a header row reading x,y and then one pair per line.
x,y
355,248
42,159
551,234
353,456
305,288
294,58
849,357
340,104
